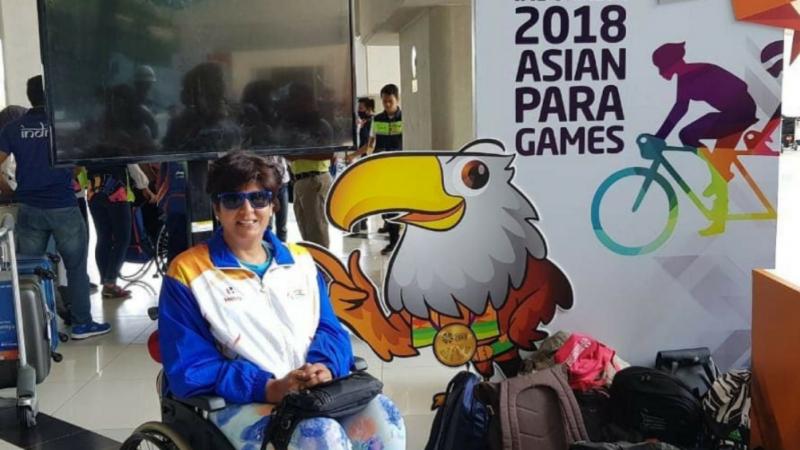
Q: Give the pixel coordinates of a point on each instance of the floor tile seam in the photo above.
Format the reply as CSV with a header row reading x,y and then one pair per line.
x,y
78,391
145,330
81,431
42,443
94,377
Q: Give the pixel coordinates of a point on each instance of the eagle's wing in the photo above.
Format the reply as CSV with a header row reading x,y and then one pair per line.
x,y
544,289
355,301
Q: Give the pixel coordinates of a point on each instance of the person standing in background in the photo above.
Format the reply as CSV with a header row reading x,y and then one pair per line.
x,y
48,207
387,136
366,109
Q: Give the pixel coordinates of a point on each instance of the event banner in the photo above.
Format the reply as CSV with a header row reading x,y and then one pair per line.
x,y
644,133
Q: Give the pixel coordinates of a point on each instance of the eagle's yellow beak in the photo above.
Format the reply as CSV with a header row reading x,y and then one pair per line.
x,y
395,183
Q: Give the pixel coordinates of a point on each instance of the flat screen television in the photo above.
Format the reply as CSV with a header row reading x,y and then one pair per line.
x,y
148,80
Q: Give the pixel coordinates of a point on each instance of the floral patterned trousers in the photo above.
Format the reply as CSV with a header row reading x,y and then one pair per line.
x,y
379,426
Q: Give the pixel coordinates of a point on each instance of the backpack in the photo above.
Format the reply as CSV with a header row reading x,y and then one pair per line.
x,y
594,407
657,405
727,409
591,364
693,366
461,423
534,411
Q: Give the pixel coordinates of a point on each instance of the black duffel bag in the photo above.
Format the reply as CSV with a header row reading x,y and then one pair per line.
x,y
337,399
657,405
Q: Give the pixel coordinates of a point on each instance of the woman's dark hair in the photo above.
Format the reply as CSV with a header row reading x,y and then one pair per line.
x,y
236,169
367,102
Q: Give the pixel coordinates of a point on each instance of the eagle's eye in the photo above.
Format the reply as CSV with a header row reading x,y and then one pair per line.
x,y
475,175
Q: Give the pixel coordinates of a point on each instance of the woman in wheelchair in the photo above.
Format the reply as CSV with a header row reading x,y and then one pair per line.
x,y
248,319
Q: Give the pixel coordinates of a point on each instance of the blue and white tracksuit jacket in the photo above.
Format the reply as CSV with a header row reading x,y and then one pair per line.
x,y
225,332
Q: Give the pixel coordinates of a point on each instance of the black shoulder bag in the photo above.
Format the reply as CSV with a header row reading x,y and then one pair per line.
x,y
693,366
337,399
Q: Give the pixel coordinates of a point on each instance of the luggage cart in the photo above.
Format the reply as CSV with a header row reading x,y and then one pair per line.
x,y
26,401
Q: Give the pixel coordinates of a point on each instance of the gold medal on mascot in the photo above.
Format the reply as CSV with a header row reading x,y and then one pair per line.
x,y
455,345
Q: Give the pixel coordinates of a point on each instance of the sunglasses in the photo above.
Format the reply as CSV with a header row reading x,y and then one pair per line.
x,y
235,200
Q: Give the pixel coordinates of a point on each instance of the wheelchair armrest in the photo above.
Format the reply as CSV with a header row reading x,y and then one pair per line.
x,y
359,364
204,403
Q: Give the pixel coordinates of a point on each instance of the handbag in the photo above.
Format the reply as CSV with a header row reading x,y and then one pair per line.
x,y
694,366
336,399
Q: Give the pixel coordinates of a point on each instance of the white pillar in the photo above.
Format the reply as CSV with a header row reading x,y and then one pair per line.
x,y
20,38
437,103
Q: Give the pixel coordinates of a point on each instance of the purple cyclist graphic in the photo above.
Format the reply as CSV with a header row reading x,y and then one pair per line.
x,y
735,113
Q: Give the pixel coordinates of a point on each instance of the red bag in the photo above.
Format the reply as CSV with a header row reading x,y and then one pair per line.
x,y
590,363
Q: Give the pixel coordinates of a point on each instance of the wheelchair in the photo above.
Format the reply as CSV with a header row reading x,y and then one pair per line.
x,y
184,421
148,247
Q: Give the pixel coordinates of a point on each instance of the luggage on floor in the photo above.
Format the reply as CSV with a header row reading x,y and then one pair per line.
x,y
727,409
693,366
543,357
461,421
591,363
38,300
535,411
28,329
595,408
657,405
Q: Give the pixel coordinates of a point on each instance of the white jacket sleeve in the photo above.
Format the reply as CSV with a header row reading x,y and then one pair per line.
x,y
140,180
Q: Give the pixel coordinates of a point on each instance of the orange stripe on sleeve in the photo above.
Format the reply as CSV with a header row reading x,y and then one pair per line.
x,y
190,264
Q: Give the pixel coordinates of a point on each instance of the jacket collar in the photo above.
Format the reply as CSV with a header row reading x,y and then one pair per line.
x,y
223,258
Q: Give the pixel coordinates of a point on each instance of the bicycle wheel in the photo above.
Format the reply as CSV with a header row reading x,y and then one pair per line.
x,y
155,435
135,273
667,229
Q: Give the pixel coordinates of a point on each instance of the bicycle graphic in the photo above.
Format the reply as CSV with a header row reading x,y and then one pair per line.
x,y
655,149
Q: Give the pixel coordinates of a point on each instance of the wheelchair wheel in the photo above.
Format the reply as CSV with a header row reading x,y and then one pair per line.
x,y
155,435
162,251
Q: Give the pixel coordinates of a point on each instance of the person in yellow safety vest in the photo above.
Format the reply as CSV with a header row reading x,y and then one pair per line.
x,y
387,136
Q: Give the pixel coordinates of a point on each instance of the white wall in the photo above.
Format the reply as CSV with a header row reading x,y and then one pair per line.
x,y
383,67
20,40
440,115
791,81
360,56
451,77
417,112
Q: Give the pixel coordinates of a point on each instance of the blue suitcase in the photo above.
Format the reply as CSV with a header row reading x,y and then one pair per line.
x,y
38,297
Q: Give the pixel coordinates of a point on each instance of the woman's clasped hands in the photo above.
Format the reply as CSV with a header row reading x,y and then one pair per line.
x,y
304,377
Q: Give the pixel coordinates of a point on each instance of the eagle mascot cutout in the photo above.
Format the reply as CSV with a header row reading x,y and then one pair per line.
x,y
470,275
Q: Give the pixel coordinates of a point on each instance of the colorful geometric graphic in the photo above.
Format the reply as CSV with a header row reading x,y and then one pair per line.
x,y
734,112
776,13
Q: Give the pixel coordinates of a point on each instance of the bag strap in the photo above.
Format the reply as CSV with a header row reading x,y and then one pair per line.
x,y
280,429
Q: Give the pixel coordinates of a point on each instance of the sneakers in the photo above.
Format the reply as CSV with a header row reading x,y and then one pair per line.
x,y
115,292
88,330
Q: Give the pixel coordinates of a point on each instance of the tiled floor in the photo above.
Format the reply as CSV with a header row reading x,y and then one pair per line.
x,y
107,384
